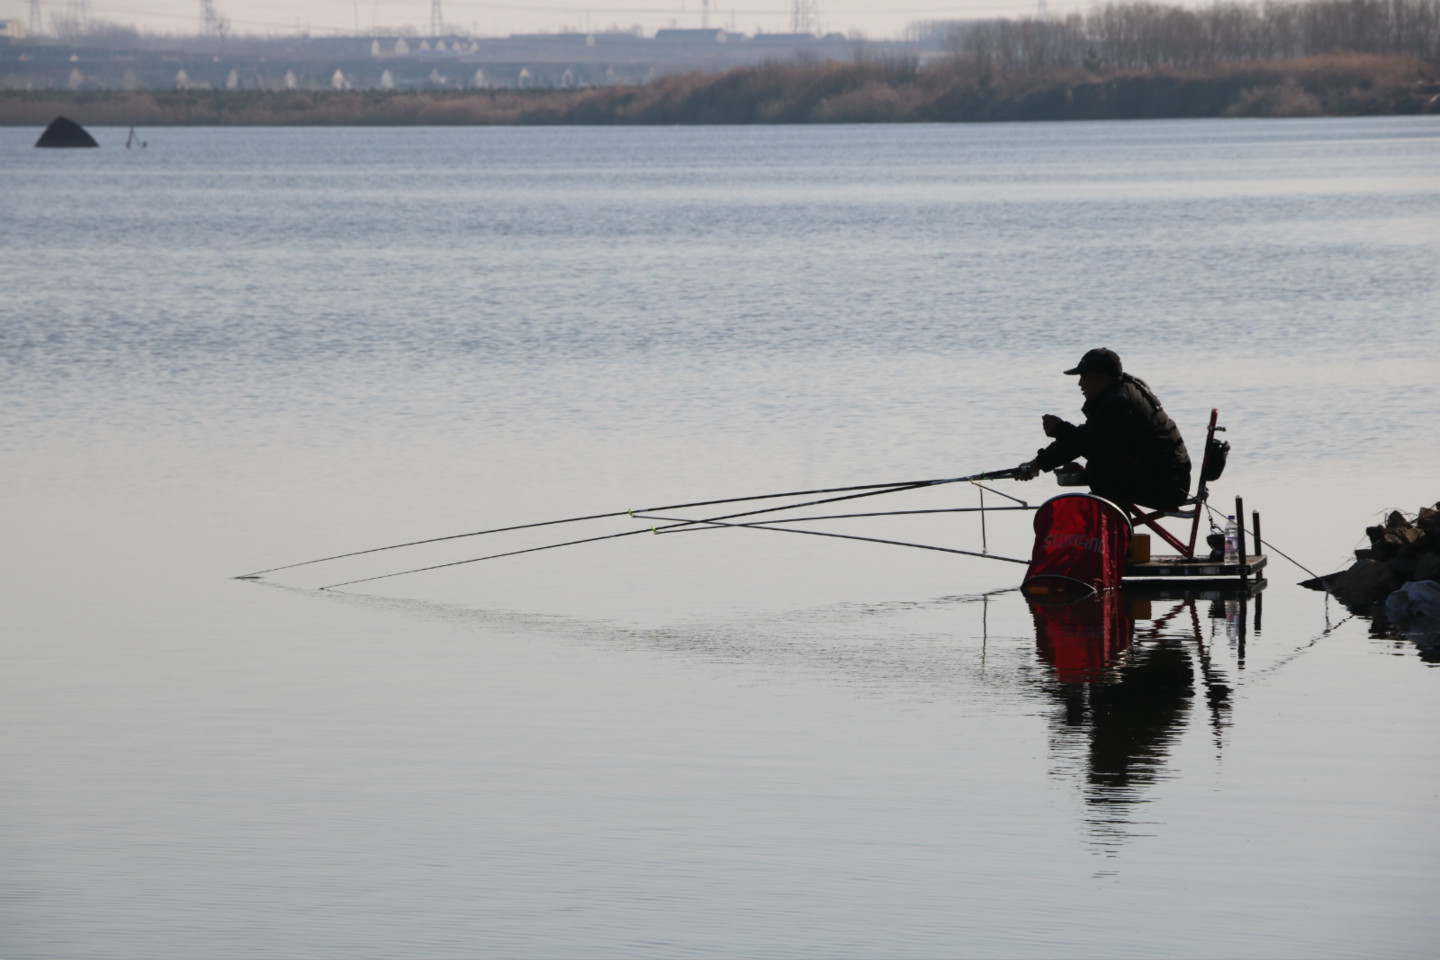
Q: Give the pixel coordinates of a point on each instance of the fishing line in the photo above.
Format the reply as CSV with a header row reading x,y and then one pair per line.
x,y
569,543
493,556
1001,493
1266,543
881,513
901,485
766,525
869,491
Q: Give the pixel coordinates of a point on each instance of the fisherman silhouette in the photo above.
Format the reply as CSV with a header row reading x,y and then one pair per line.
x,y
1133,451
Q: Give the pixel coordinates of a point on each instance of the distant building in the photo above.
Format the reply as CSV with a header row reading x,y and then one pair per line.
x,y
392,62
691,36
12,29
568,39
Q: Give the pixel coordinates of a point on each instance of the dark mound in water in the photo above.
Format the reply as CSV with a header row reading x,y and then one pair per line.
x,y
65,132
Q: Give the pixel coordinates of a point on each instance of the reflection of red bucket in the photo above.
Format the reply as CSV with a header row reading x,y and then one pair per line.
x,y
1080,545
1081,639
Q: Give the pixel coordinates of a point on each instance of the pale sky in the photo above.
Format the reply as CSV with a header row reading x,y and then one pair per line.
x,y
485,18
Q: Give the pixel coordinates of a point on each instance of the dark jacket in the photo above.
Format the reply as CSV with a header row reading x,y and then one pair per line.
x,y
1132,450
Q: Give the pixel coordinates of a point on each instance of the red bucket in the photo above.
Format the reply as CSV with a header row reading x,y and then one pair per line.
x,y
1081,542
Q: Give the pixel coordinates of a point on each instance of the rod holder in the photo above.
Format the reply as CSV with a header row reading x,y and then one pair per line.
x,y
1240,552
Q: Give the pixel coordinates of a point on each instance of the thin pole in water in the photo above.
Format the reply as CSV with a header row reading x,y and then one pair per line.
x,y
984,630
984,541
1240,539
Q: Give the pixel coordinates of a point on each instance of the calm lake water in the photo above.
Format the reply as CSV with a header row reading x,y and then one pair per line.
x,y
241,348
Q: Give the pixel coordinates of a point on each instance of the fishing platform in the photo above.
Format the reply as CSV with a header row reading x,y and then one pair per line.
x,y
1083,541
1191,569
1217,564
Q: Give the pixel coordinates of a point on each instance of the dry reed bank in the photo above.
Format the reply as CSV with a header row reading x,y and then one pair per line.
x,y
1126,59
858,92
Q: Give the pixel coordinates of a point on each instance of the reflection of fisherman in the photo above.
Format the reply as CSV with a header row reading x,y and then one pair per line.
x,y
1133,452
1125,705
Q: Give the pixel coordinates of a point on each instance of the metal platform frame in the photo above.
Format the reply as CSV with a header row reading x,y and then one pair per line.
x,y
1187,566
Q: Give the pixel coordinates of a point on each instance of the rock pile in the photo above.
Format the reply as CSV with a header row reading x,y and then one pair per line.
x,y
1400,551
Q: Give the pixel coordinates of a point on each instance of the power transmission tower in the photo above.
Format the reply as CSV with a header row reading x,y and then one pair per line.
x,y
805,16
35,23
704,14
212,23
437,19
79,14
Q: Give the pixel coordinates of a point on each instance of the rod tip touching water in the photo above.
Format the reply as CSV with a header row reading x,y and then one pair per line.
x,y
869,490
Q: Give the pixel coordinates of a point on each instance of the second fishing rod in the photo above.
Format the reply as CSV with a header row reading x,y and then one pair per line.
x,y
867,491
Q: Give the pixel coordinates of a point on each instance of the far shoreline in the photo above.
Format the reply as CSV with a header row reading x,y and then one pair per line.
x,y
1336,85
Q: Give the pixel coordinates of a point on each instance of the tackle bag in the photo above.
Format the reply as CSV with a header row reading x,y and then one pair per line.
x,y
1216,453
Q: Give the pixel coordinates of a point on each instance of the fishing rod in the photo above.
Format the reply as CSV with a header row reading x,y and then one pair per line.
x,y
869,490
899,485
768,525
1024,505
850,516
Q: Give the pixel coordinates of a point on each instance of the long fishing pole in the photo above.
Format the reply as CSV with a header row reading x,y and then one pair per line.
x,y
768,525
906,484
852,516
626,533
869,491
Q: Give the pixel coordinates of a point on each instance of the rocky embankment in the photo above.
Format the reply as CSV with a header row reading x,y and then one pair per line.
x,y
1401,551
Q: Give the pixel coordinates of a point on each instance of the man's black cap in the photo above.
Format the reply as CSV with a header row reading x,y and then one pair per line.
x,y
1099,360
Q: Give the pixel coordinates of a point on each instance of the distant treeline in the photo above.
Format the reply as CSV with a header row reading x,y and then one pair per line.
x,y
861,92
1131,36
1121,61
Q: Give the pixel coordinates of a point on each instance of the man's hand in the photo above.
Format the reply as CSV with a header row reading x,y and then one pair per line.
x,y
1051,424
1027,470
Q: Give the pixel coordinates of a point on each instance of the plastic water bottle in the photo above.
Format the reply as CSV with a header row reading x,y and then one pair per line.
x,y
1232,541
